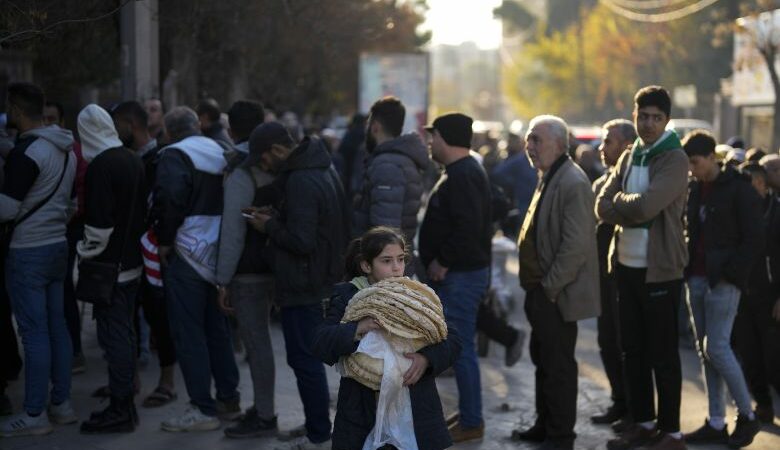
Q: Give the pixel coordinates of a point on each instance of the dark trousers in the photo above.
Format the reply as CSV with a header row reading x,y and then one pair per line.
x,y
552,352
9,346
757,339
298,326
200,335
152,299
609,341
649,336
494,325
116,334
75,233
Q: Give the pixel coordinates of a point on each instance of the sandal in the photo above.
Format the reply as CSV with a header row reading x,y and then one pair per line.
x,y
159,397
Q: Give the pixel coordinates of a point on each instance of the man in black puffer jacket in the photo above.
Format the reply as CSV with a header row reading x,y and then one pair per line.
x,y
393,184
309,235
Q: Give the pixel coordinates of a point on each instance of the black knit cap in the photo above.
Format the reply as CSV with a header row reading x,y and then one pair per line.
x,y
263,137
454,128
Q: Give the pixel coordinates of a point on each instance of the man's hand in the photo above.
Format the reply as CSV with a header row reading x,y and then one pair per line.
x,y
260,216
436,272
164,251
418,368
223,300
776,311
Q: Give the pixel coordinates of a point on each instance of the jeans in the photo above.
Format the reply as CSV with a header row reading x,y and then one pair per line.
x,y
649,336
609,341
298,326
757,337
200,335
712,313
116,334
251,296
35,278
552,351
461,294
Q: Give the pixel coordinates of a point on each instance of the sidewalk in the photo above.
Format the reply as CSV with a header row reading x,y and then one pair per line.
x,y
508,402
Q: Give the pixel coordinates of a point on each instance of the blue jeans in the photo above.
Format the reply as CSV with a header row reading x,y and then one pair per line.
x,y
298,326
35,278
461,294
201,336
712,314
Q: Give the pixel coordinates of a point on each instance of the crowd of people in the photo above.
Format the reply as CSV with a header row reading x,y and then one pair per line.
x,y
200,229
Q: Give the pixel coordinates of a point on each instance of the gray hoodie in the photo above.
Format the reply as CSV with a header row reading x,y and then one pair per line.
x,y
32,172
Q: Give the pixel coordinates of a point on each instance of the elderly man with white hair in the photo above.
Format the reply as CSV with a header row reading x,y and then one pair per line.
x,y
186,218
560,274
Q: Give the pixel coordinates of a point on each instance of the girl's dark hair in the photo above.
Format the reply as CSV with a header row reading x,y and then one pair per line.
x,y
369,246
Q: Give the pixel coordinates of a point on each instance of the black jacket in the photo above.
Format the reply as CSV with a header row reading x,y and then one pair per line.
x,y
111,194
730,224
310,233
356,407
457,228
765,276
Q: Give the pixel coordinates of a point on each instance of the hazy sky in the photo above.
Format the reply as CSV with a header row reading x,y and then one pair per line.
x,y
457,21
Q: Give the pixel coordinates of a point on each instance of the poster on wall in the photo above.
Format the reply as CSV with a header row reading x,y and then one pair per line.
x,y
403,75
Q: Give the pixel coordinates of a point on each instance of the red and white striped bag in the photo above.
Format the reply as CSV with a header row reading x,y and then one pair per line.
x,y
151,259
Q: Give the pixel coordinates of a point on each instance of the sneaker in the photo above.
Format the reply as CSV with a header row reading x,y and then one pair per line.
x,y
23,424
459,433
79,364
303,443
229,410
706,434
292,434
622,425
636,436
6,408
611,415
515,351
191,420
252,425
668,442
62,414
557,444
745,431
765,413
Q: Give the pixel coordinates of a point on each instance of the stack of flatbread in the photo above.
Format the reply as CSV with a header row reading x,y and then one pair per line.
x,y
411,315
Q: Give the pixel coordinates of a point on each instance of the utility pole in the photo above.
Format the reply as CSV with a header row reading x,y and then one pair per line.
x,y
140,50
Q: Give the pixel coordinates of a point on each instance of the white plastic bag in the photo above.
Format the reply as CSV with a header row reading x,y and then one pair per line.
x,y
394,424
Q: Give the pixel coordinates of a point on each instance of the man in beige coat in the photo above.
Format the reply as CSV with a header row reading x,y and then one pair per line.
x,y
560,274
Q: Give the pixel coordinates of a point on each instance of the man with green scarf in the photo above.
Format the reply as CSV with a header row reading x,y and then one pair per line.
x,y
645,198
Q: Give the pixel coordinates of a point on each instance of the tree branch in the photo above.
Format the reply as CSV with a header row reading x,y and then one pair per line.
x,y
29,34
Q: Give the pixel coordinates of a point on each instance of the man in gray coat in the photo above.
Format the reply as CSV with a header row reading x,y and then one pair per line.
x,y
393,183
560,274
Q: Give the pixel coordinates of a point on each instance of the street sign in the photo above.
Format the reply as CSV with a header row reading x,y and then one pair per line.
x,y
685,96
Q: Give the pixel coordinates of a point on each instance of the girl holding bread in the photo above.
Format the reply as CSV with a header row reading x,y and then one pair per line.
x,y
380,254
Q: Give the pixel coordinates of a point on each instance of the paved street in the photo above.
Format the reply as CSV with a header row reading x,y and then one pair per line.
x,y
508,403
